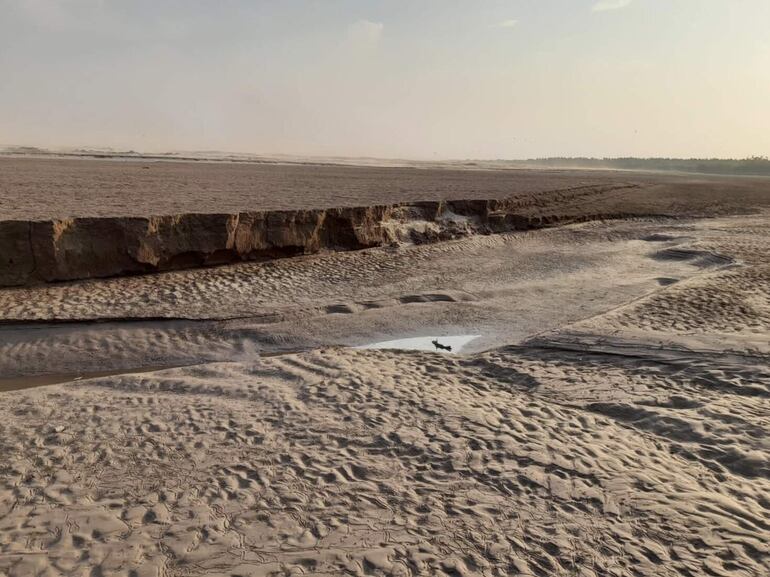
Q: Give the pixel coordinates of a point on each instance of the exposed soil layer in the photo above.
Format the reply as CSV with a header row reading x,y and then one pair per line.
x,y
76,219
79,248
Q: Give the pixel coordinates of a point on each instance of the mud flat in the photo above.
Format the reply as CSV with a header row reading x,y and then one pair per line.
x,y
610,419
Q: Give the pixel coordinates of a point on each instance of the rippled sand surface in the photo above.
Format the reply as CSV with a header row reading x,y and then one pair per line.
x,y
611,419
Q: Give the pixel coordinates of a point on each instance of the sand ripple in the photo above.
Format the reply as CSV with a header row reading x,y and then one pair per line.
x,y
380,463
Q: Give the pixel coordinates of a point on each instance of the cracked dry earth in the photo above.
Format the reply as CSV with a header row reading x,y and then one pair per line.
x,y
630,438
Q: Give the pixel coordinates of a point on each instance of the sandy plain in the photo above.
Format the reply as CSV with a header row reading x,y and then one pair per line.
x,y
612,418
47,188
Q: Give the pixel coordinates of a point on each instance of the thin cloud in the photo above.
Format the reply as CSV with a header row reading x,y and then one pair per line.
x,y
605,5
366,32
506,24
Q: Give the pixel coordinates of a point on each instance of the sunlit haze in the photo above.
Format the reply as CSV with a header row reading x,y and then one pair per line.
x,y
429,79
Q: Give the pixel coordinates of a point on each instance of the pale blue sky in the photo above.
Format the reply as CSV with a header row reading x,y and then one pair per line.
x,y
397,78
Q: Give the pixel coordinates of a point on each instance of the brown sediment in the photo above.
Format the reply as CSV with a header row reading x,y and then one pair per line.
x,y
90,247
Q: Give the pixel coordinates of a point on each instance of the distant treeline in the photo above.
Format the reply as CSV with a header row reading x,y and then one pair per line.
x,y
756,165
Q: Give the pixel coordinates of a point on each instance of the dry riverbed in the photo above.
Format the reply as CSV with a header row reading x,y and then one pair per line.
x,y
610,418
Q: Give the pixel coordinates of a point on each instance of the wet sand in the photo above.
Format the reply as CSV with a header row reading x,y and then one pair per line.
x,y
29,382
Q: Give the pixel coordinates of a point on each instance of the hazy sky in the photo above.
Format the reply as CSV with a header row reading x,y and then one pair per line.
x,y
390,78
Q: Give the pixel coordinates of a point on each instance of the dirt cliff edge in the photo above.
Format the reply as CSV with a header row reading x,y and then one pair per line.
x,y
78,248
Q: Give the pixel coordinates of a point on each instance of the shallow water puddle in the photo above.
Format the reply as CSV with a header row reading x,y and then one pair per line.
x,y
457,343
